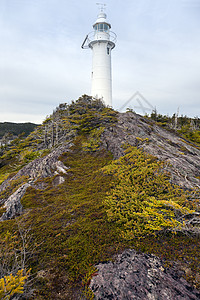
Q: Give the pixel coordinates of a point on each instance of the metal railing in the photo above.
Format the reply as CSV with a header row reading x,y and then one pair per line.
x,y
92,37
111,34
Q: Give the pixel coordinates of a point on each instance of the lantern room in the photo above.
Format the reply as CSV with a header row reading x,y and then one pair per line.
x,y
101,24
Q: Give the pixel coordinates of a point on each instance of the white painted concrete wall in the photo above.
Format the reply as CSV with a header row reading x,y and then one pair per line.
x,y
101,71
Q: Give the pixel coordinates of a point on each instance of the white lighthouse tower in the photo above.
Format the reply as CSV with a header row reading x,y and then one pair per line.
x,y
101,41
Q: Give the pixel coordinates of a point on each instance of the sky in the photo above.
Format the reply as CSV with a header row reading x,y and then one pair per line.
x,y
42,64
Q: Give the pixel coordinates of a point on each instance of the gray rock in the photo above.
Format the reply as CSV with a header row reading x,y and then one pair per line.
x,y
140,276
58,180
43,167
13,205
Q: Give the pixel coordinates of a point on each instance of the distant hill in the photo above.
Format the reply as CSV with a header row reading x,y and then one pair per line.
x,y
16,128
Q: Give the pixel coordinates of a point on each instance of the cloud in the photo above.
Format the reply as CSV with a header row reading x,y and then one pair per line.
x,y
40,74
42,64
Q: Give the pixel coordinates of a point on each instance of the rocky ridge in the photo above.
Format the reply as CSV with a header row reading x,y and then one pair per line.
x,y
132,275
182,157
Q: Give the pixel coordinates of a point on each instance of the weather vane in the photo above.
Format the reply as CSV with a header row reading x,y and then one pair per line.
x,y
102,6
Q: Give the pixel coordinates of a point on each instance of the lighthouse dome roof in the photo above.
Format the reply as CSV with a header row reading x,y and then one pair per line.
x,y
102,19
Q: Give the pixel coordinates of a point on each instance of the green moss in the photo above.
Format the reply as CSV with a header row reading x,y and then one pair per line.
x,y
93,142
70,221
8,170
3,176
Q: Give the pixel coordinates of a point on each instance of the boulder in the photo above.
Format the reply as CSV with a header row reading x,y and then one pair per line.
x,y
140,276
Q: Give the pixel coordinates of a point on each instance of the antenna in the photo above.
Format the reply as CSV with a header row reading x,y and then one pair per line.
x,y
102,6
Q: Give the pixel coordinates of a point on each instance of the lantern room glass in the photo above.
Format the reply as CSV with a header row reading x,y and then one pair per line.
x,y
102,27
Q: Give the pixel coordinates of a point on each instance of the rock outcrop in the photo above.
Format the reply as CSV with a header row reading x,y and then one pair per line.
x,y
13,205
182,157
47,166
140,276
43,167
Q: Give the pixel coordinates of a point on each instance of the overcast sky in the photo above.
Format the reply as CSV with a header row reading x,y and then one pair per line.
x,y
42,63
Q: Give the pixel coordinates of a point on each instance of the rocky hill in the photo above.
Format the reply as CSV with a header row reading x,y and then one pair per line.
x,y
86,186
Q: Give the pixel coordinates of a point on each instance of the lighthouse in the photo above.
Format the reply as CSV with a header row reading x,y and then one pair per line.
x,y
101,41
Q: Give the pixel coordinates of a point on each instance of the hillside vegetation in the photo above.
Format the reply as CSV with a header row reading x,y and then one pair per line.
x,y
69,200
188,128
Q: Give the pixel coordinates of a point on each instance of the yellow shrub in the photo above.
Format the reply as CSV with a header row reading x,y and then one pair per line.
x,y
142,200
10,285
